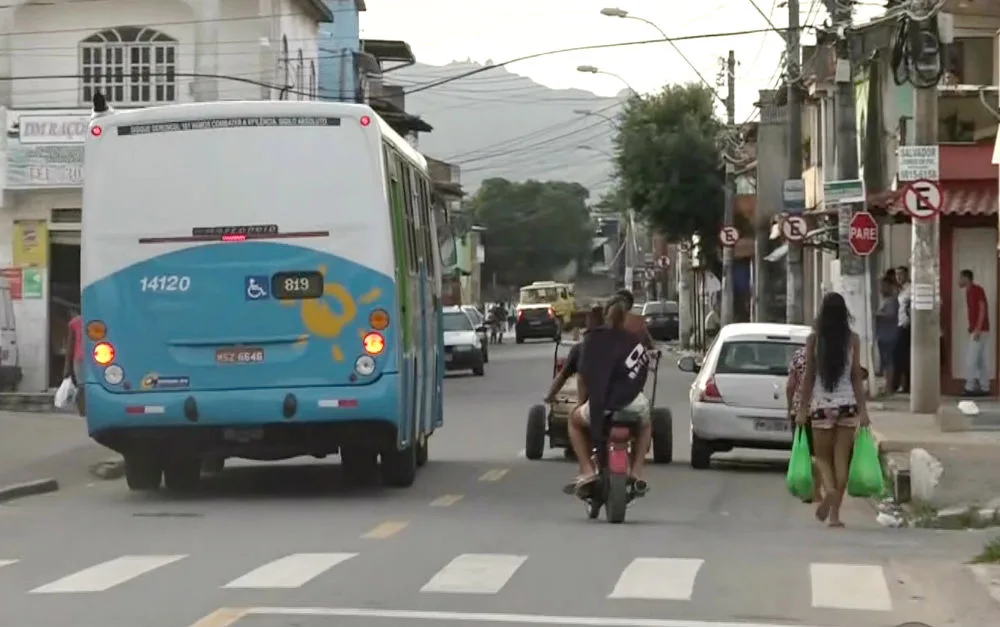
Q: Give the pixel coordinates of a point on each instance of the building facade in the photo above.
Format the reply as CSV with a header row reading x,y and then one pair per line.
x,y
137,53
339,46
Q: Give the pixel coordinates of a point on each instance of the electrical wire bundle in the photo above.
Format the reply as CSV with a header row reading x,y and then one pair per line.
x,y
918,55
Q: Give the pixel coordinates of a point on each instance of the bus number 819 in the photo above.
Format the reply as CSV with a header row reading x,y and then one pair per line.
x,y
297,285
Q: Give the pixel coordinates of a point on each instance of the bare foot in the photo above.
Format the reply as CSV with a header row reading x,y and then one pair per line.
x,y
823,511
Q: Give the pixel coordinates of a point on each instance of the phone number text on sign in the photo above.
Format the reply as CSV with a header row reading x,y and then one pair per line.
x,y
55,175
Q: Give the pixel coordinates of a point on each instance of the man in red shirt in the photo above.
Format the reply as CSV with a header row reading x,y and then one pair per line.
x,y
977,378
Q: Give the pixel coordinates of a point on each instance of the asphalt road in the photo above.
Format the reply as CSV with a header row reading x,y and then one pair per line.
x,y
485,537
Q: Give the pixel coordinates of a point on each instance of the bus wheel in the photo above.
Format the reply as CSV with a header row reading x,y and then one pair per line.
x,y
359,466
143,472
182,473
399,468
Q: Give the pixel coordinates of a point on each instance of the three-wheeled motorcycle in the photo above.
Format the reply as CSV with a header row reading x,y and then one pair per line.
x,y
551,421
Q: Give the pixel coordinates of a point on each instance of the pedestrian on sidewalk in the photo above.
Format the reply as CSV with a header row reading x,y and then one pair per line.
x,y
887,332
902,352
73,365
833,400
977,378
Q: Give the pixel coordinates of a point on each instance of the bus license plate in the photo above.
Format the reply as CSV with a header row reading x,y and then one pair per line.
x,y
239,355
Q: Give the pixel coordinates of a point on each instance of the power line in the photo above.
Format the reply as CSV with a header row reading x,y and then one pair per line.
x,y
623,44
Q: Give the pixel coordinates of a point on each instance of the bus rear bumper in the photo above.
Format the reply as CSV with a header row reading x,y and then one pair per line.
x,y
287,421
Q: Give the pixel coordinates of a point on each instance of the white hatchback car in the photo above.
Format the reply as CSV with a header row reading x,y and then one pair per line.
x,y
738,398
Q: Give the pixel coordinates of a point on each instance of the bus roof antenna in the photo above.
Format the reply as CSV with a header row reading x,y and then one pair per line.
x,y
101,106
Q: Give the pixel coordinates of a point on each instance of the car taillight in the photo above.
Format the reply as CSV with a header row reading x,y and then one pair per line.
x,y
552,313
710,393
520,315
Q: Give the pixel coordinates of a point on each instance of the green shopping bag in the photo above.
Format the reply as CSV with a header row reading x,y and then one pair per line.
x,y
800,474
865,475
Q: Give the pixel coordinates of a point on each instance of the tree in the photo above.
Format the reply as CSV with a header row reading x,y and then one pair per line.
x,y
668,165
533,229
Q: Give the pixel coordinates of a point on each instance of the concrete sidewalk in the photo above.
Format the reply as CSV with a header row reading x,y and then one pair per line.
x,y
944,464
41,452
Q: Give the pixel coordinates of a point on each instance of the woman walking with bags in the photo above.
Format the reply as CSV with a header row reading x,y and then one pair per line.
x,y
833,400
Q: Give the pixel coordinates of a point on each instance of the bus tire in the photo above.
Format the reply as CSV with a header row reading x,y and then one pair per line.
x,y
143,472
182,473
399,467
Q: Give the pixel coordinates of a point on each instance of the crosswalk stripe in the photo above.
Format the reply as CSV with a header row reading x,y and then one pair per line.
x,y
475,573
107,575
850,587
658,578
291,571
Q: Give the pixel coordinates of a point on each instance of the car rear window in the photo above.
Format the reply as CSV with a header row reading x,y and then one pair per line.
x,y
756,357
665,307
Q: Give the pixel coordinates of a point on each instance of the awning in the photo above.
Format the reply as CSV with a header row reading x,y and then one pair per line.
x,y
961,198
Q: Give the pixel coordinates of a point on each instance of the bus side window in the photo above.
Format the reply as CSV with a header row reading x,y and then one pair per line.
x,y
418,215
425,226
411,244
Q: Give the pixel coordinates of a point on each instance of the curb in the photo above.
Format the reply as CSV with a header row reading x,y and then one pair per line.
x,y
896,471
28,488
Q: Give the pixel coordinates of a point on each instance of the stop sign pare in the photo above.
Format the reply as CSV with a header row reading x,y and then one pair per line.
x,y
864,234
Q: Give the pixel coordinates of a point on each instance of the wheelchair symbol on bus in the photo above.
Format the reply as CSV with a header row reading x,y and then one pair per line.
x,y
256,288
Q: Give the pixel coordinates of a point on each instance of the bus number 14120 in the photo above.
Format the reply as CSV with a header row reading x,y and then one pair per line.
x,y
165,283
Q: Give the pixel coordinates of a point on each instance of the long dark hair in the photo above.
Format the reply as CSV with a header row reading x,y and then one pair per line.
x,y
832,330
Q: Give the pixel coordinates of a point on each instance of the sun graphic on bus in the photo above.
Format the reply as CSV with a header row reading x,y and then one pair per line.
x,y
322,320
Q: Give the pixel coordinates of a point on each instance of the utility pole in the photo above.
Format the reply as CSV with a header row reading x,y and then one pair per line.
x,y
728,219
629,250
852,267
925,314
795,282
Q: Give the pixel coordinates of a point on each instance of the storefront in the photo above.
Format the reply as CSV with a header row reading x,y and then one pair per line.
x,y
41,213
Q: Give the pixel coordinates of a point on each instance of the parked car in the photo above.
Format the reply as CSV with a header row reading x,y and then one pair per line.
x,y
479,321
662,320
462,350
737,398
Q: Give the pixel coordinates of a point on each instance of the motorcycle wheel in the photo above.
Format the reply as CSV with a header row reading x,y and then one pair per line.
x,y
616,498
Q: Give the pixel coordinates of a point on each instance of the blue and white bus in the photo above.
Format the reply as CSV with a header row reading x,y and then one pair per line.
x,y
260,280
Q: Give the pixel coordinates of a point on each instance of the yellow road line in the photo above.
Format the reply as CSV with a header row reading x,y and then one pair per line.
x,y
446,500
386,530
222,617
494,475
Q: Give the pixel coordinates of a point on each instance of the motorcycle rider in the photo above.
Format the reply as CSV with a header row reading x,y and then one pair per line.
x,y
613,365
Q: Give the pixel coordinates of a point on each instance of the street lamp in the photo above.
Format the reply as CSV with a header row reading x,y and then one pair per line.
x,y
623,14
590,69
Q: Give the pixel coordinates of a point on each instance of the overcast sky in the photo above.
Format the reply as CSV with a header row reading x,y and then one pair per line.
x,y
441,31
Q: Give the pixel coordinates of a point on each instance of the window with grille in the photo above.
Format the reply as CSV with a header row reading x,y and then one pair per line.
x,y
130,65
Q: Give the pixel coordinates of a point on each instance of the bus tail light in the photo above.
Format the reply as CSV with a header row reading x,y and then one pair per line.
x,y
104,353
97,330
365,120
374,343
379,320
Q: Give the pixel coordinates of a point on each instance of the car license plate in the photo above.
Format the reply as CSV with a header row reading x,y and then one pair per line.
x,y
536,323
771,424
242,435
239,355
